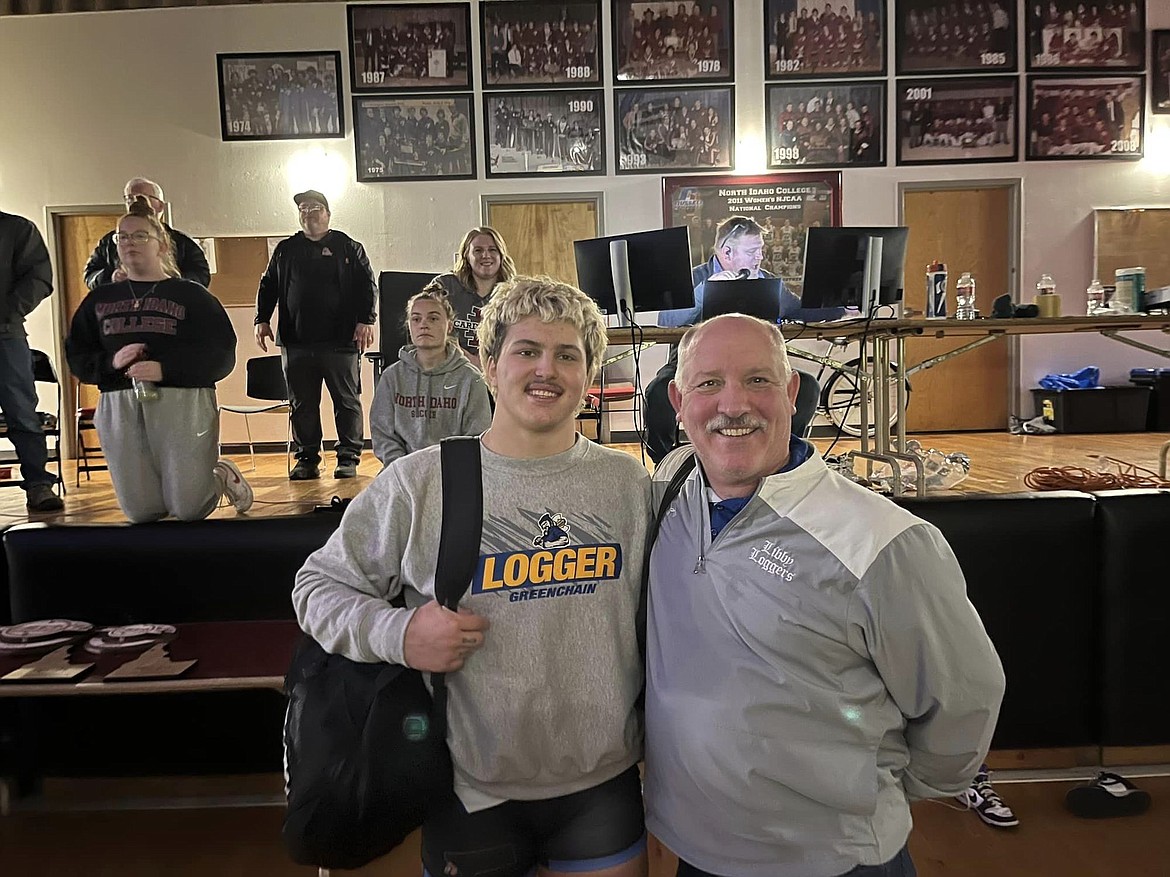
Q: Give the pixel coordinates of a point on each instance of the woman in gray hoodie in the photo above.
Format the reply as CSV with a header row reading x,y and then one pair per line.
x,y
433,391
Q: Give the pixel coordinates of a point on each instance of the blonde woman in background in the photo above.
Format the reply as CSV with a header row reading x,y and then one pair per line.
x,y
481,263
432,391
156,345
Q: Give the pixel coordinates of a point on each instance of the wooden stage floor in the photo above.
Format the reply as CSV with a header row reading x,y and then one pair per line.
x,y
999,462
215,833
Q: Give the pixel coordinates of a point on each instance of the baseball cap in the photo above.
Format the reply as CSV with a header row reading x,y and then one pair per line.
x,y
310,195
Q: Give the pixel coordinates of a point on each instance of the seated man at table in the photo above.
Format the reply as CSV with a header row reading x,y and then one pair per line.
x,y
739,251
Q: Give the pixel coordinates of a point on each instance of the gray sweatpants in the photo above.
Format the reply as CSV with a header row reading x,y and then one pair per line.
x,y
162,453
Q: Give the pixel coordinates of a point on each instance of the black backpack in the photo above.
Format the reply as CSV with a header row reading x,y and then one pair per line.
x,y
366,758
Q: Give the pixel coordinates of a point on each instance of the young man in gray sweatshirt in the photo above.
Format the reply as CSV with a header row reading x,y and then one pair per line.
x,y
542,656
813,663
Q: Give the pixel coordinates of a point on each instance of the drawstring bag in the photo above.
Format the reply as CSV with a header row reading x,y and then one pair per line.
x,y
366,757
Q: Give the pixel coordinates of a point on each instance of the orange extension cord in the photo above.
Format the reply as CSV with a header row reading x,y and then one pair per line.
x,y
1079,478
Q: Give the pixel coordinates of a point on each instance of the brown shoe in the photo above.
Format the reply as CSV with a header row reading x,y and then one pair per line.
x,y
40,498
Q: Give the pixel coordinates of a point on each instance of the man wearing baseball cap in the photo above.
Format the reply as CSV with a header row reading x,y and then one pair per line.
x,y
322,288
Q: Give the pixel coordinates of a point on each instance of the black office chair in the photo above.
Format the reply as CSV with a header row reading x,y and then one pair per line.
x,y
265,381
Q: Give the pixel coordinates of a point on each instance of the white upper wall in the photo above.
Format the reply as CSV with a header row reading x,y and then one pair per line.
x,y
92,99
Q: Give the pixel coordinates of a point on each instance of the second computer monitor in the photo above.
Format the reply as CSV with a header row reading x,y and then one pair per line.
x,y
659,270
835,266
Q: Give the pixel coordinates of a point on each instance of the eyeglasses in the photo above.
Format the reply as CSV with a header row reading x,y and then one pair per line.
x,y
311,208
130,199
138,237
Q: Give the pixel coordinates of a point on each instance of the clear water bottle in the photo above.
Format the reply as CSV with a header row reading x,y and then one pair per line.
x,y
146,391
1095,298
1047,300
965,297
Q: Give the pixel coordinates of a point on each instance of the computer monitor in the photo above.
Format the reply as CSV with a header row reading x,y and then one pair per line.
x,y
756,298
657,265
836,262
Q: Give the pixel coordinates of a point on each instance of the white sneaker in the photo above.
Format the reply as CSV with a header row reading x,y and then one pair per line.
x,y
235,487
986,802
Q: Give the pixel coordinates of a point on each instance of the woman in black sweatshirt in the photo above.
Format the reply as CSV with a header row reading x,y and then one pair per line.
x,y
156,345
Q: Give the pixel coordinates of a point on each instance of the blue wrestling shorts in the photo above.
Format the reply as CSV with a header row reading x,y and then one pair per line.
x,y
586,831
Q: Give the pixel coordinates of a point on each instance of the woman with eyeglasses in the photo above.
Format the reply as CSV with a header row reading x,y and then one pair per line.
x,y
481,263
156,345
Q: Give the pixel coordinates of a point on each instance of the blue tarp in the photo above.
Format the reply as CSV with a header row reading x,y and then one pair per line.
x,y
1085,379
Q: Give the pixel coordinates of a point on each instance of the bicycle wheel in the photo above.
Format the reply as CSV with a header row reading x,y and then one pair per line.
x,y
841,399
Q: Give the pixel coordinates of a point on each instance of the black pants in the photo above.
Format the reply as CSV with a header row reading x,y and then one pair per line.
x,y
899,866
661,426
305,369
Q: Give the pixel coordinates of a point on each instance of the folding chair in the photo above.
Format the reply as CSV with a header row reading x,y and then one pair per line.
x,y
265,381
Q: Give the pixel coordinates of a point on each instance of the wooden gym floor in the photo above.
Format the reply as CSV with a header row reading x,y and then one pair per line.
x,y
230,826
999,462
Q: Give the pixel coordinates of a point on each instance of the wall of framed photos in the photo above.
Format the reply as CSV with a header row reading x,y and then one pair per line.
x,y
84,116
829,101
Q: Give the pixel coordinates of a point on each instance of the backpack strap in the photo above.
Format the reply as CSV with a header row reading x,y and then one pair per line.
x,y
462,518
685,467
458,542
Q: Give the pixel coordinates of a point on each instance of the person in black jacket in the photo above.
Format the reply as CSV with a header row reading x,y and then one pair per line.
x,y
103,265
26,279
322,288
156,345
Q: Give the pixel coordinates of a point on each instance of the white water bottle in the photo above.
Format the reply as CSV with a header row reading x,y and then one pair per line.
x,y
965,297
146,391
1095,298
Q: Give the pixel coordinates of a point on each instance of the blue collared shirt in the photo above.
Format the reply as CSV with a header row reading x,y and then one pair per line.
x,y
724,510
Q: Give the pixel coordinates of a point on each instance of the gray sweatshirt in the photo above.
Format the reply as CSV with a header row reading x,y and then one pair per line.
x,y
415,408
810,670
546,706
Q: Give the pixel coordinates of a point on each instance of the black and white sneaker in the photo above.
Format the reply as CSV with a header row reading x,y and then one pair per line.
x,y
1107,795
981,797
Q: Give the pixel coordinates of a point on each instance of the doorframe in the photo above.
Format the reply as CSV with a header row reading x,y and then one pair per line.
x,y
1014,185
597,199
64,374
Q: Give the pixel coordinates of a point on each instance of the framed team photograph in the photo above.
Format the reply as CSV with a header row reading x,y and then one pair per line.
x,y
527,42
970,120
1086,36
678,41
674,129
415,137
1160,72
826,124
281,96
804,41
1101,117
409,47
933,36
784,205
553,131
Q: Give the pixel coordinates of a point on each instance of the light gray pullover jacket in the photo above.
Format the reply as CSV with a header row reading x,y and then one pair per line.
x,y
810,671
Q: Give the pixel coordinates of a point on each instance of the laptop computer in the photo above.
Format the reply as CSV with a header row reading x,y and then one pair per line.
x,y
758,297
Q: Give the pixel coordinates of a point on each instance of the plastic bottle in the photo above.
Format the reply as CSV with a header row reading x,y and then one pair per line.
x,y
936,290
1095,298
965,297
1046,298
146,391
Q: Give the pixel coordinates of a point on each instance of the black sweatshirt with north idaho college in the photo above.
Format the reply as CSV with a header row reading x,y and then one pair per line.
x,y
184,328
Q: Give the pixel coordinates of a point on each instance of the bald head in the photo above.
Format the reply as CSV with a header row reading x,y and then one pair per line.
x,y
149,189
